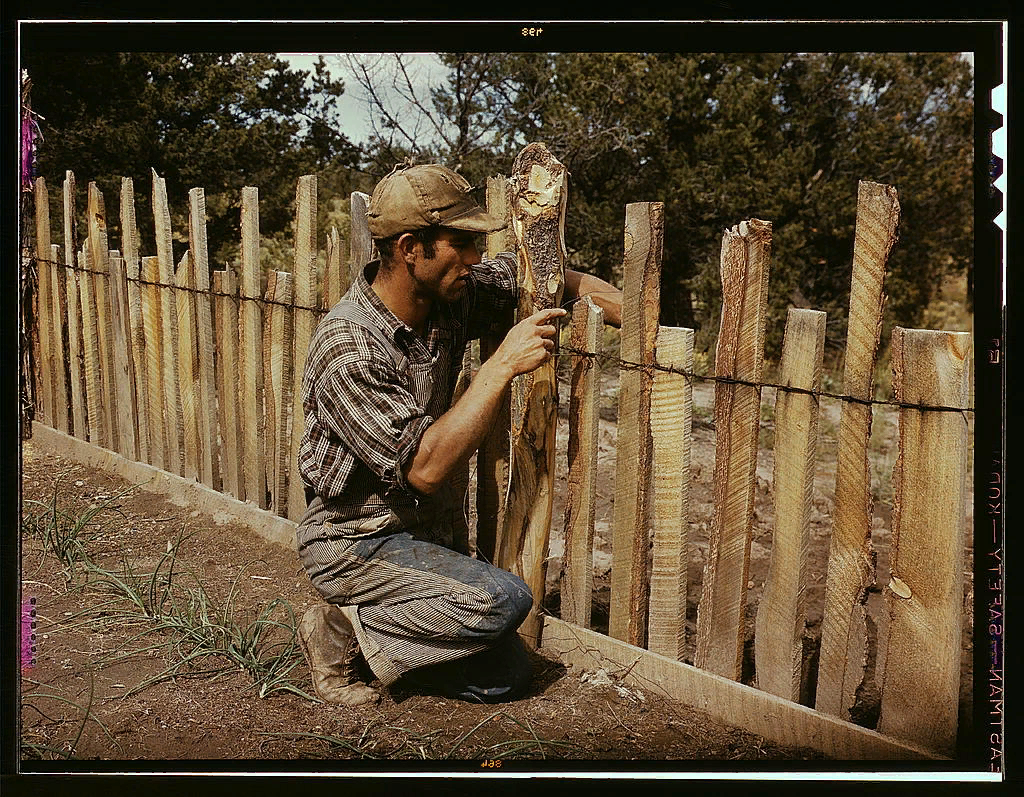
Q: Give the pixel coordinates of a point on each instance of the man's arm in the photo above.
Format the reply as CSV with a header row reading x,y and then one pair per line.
x,y
451,439
603,294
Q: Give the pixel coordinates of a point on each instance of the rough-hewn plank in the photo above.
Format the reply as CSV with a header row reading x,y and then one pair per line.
x,y
188,370
361,249
95,431
304,290
671,419
76,356
44,391
225,289
782,611
58,299
337,278
739,354
539,195
277,380
850,558
99,256
174,460
130,252
577,578
492,457
250,354
206,387
631,529
727,701
924,597
123,376
153,324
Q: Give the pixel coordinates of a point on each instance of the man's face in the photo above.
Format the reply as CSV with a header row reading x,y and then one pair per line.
x,y
445,275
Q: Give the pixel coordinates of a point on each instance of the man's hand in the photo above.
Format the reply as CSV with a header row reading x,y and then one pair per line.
x,y
529,343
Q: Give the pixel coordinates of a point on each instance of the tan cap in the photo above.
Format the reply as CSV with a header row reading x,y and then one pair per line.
x,y
414,197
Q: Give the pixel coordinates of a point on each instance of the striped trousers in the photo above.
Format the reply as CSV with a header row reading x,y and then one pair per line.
x,y
423,612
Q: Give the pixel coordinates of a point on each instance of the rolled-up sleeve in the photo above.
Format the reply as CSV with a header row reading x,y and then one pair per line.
x,y
364,403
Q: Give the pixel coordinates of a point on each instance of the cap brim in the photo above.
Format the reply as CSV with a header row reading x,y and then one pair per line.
x,y
475,220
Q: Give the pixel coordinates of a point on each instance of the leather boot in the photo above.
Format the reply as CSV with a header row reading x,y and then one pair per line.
x,y
332,653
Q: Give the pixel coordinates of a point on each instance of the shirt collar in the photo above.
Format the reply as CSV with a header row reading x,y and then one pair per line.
x,y
368,298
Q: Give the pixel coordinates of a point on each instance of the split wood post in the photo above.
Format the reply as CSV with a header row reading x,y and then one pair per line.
x,y
99,257
577,582
206,383
671,422
153,325
337,278
460,478
782,613
304,290
44,391
641,307
124,378
76,356
226,319
95,431
538,200
924,597
174,460
361,248
130,250
250,355
850,558
58,290
277,349
739,354
492,456
188,377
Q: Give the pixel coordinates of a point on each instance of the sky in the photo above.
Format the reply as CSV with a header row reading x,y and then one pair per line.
x,y
353,107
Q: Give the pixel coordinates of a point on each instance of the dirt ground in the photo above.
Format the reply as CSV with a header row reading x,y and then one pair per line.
x,y
105,685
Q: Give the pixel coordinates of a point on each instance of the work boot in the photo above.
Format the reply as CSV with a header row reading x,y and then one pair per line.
x,y
332,653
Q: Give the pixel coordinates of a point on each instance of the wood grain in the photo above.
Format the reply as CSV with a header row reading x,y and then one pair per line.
x,y
136,325
850,558
782,611
76,355
154,327
924,599
739,354
250,354
225,288
174,459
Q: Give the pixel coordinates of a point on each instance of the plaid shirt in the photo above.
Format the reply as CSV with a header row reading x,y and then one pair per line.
x,y
363,421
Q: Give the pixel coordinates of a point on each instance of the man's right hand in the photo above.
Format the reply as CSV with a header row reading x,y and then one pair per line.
x,y
529,343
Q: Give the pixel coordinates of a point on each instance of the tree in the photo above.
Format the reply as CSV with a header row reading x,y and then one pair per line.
x,y
217,121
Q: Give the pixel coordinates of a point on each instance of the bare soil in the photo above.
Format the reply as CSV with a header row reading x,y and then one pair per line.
x,y
81,695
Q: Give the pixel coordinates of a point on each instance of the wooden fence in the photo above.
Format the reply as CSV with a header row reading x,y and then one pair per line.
x,y
196,372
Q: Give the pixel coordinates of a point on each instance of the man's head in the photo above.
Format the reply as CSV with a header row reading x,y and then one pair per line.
x,y
420,200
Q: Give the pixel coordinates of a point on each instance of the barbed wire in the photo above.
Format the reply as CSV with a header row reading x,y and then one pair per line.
x,y
562,350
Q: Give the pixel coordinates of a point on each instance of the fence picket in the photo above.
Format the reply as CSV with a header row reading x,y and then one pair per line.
x,y
206,390
782,613
746,249
671,419
492,456
44,390
641,307
100,259
304,289
924,597
153,324
95,430
58,295
188,377
850,560
277,349
123,375
76,356
174,455
130,249
226,324
361,249
250,354
577,581
539,196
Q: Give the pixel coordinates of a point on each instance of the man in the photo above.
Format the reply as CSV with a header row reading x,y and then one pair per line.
x,y
382,443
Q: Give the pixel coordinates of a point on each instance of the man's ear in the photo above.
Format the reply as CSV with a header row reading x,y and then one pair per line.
x,y
405,247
